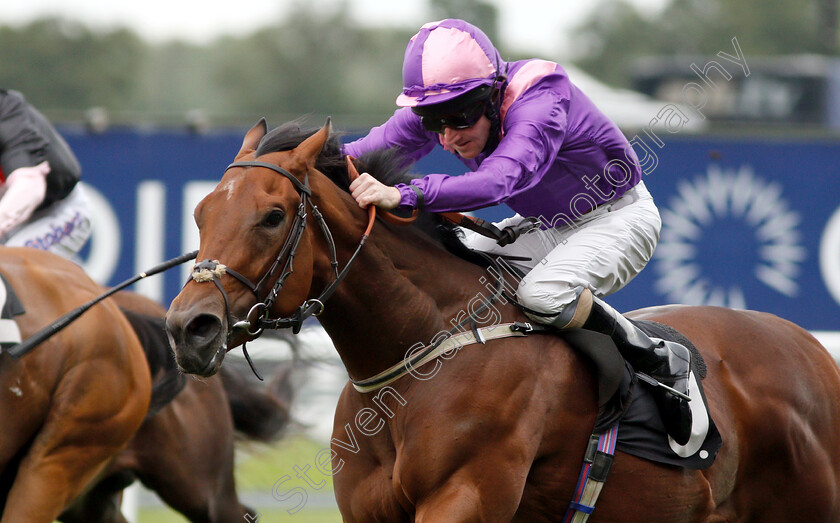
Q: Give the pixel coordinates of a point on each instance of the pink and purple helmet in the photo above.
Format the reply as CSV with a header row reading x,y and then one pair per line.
x,y
446,59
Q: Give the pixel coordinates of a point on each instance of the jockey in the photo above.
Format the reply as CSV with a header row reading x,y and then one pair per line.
x,y
532,140
41,203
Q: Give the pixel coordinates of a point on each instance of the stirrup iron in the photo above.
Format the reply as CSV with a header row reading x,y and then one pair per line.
x,y
655,383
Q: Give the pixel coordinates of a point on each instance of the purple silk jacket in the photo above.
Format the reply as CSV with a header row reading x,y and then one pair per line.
x,y
558,158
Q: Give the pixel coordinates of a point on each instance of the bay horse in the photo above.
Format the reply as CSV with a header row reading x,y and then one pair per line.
x,y
494,431
184,451
89,412
70,406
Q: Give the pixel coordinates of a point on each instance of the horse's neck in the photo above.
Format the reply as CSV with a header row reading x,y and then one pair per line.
x,y
400,293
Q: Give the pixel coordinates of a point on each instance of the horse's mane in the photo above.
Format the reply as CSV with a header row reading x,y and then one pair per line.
x,y
167,380
386,165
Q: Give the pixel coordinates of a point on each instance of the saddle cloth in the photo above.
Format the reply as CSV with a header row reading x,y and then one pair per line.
x,y
641,432
10,306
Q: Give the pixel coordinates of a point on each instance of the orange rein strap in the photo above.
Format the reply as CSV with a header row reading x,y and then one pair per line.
x,y
388,217
353,173
478,225
399,220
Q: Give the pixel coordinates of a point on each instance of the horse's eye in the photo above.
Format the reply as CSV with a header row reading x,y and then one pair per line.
x,y
273,218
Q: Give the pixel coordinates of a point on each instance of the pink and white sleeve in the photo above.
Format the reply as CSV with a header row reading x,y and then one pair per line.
x,y
23,192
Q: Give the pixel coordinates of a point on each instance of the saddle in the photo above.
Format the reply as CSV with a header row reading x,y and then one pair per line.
x,y
10,306
625,399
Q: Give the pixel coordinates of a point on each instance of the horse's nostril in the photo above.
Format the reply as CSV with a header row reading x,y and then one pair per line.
x,y
203,327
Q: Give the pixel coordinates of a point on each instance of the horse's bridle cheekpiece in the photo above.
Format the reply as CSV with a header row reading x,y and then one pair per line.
x,y
258,318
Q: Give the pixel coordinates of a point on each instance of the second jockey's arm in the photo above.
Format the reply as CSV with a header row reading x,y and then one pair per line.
x,y
25,190
367,190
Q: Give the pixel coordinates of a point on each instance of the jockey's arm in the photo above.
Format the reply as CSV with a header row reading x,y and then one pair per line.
x,y
25,189
22,144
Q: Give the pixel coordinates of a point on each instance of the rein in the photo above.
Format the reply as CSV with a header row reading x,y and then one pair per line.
x,y
482,227
258,318
598,458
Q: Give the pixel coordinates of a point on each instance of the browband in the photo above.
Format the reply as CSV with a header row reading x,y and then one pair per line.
x,y
300,186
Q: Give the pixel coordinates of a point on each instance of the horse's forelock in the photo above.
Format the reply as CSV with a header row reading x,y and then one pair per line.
x,y
290,135
387,166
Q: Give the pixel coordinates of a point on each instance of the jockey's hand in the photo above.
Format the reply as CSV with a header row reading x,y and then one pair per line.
x,y
367,190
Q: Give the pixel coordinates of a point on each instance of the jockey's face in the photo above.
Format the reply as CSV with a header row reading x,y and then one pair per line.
x,y
469,142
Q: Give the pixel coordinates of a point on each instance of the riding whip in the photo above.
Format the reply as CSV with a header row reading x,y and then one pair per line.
x,y
42,335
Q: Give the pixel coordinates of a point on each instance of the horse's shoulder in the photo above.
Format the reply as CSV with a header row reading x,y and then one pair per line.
x,y
49,286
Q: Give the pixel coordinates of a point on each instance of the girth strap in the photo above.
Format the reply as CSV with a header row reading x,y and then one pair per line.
x,y
427,354
600,452
597,463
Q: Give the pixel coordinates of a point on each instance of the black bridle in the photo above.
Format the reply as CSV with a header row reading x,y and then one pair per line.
x,y
259,316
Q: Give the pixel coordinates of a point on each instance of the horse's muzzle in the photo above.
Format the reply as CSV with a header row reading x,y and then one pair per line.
x,y
198,341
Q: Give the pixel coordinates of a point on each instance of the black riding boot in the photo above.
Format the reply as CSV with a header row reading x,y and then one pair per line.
x,y
667,362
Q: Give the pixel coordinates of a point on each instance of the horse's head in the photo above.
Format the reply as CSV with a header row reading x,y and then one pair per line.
x,y
253,243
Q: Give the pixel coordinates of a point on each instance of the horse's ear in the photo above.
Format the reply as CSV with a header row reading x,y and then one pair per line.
x,y
308,151
252,138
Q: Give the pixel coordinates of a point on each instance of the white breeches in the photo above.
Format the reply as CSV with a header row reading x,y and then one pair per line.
x,y
602,251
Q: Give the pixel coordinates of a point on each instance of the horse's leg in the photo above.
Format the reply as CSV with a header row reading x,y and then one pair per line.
x,y
48,480
100,504
489,489
24,402
466,454
476,478
196,479
362,480
95,413
203,490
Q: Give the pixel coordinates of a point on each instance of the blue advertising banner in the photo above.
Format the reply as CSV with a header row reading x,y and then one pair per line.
x,y
747,223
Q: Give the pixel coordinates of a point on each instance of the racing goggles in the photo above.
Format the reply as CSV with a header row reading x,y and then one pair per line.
x,y
461,119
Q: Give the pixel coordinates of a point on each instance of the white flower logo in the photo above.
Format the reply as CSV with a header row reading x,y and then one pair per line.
x,y
768,245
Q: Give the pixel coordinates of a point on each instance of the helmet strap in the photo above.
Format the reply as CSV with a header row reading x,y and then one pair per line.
x,y
492,109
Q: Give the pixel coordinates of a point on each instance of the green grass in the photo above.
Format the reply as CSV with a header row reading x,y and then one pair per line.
x,y
261,468
258,468
266,516
162,515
